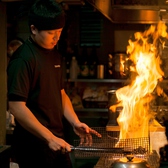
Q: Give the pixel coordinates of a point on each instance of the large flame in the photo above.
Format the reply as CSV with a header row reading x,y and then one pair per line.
x,y
144,52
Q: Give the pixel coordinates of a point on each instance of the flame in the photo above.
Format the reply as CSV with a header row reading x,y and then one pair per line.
x,y
144,52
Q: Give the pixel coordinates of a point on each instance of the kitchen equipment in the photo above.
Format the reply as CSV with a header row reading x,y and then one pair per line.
x,y
108,152
108,160
100,71
121,65
113,114
132,11
98,149
130,162
111,144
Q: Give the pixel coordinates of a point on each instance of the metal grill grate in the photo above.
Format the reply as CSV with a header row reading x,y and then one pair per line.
x,y
110,144
139,147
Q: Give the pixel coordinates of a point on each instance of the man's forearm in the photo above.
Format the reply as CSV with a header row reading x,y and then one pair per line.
x,y
28,121
69,112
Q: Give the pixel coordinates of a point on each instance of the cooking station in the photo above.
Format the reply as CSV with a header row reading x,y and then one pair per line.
x,y
110,149
105,149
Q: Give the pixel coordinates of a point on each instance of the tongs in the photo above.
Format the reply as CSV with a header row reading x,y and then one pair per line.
x,y
96,149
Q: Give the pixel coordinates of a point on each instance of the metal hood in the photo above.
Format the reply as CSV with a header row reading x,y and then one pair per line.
x,y
126,13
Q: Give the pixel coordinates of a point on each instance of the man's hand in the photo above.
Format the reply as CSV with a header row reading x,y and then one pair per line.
x,y
85,133
59,144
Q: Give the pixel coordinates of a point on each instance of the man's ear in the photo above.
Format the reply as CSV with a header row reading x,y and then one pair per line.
x,y
33,29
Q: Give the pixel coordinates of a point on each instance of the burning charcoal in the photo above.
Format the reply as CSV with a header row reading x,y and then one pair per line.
x,y
139,150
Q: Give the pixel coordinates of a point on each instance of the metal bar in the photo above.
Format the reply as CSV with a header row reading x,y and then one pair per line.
x,y
105,150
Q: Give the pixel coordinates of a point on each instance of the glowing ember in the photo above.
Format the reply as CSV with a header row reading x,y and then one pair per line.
x,y
144,54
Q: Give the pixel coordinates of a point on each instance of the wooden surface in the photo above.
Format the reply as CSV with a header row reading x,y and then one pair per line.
x,y
3,78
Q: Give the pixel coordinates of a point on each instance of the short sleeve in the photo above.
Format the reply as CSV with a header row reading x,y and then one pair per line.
x,y
19,78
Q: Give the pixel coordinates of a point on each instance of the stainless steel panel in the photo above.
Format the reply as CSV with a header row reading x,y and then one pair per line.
x,y
123,15
146,14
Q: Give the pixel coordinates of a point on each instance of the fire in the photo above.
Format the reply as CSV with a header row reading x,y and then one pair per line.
x,y
144,53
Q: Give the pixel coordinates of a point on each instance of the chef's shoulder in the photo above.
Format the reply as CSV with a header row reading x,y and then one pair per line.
x,y
24,52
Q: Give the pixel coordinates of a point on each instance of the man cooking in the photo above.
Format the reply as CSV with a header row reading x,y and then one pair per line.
x,y
36,95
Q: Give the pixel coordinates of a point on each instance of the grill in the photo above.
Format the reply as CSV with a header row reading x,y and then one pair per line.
x,y
107,160
110,147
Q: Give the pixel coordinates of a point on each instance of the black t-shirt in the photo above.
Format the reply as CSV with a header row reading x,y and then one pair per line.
x,y
35,76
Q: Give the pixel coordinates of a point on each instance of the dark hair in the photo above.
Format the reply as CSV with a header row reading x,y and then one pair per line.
x,y
46,15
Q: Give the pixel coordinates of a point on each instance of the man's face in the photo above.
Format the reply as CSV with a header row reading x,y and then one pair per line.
x,y
46,38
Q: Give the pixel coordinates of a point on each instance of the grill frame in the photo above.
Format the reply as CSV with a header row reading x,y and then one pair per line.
x,y
109,140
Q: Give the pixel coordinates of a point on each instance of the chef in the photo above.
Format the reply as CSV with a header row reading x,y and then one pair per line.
x,y
36,95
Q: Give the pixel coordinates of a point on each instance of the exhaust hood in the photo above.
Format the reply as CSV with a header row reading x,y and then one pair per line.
x,y
137,12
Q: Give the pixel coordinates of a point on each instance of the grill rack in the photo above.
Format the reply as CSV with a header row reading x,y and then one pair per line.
x,y
110,139
139,147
